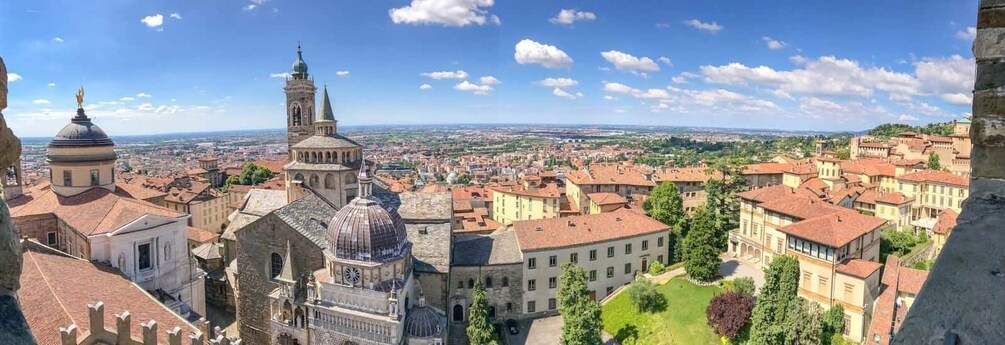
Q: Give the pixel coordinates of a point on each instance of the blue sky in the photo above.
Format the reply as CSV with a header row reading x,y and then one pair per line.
x,y
188,65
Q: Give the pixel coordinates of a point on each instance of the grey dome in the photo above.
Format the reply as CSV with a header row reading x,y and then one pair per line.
x,y
81,132
299,66
364,231
423,322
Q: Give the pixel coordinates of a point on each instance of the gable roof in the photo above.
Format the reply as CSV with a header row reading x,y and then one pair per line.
x,y
578,230
773,192
94,212
936,176
834,229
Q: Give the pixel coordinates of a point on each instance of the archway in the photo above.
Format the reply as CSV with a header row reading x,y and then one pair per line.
x,y
286,339
458,312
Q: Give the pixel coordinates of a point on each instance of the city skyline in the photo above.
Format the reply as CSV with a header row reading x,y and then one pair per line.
x,y
166,67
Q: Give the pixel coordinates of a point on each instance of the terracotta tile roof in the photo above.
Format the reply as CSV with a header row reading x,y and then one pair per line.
x,y
609,174
946,222
873,145
868,196
936,176
869,168
801,207
773,192
201,235
687,174
603,199
96,211
765,168
887,314
858,267
274,165
814,184
544,190
56,289
578,230
939,139
835,229
138,192
802,169
894,198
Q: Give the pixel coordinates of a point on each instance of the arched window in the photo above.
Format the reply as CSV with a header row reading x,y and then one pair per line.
x,y
296,115
299,177
488,282
330,181
315,180
350,178
277,265
328,157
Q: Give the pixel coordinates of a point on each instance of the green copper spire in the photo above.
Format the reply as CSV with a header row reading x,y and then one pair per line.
x,y
326,113
299,66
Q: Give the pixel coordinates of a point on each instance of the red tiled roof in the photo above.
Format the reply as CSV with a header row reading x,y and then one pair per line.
x,y
773,192
765,168
936,176
201,235
137,192
609,174
834,229
946,222
56,289
801,207
887,314
95,211
858,267
578,230
603,199
688,174
544,190
894,198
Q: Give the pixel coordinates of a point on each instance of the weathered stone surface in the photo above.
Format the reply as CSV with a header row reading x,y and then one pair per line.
x,y
985,4
986,46
991,17
987,161
989,103
989,76
988,131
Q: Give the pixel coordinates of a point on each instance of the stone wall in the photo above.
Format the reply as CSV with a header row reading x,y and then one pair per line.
x,y
498,296
434,289
255,245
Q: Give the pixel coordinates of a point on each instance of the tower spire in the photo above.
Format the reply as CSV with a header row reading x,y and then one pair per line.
x,y
364,180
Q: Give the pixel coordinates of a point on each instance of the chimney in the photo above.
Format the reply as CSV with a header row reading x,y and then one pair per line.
x,y
123,328
570,224
617,219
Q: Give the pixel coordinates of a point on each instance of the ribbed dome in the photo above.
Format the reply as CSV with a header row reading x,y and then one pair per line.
x,y
81,132
423,322
299,66
364,231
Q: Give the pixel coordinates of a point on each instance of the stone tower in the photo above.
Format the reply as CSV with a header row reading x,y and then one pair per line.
x,y
300,92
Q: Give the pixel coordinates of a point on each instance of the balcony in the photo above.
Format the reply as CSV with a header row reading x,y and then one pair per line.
x,y
279,327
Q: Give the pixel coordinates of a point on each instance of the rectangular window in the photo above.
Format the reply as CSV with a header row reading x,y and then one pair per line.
x,y
553,261
552,304
628,248
67,178
552,282
593,275
610,272
645,245
847,326
823,287
94,178
531,285
659,258
143,251
848,292
628,268
659,241
610,252
509,306
531,263
531,306
593,254
50,239
574,257
806,279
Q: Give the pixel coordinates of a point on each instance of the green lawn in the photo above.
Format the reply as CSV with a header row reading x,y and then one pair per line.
x,y
682,322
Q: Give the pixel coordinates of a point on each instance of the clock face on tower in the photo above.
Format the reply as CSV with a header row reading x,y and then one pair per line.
x,y
351,275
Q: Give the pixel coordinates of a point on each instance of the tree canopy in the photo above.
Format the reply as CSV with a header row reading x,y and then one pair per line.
x,y
933,161
887,130
665,205
701,259
644,296
480,331
251,175
770,319
580,314
728,313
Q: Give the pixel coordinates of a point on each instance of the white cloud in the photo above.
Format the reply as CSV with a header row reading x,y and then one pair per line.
x,y
558,82
282,75
255,4
489,80
57,39
712,27
51,84
968,35
562,93
957,98
127,99
459,74
143,95
12,77
609,97
906,118
476,89
773,44
619,88
946,77
680,100
175,15
627,62
570,16
425,87
445,12
683,77
145,107
40,101
153,21
342,73
529,52
666,61
798,59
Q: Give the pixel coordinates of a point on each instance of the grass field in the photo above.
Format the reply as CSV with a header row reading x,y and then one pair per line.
x,y
681,323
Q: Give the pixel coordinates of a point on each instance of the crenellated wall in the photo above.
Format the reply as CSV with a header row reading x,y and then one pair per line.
x,y
121,332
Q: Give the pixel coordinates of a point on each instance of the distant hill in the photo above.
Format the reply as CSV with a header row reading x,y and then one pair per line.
x,y
887,130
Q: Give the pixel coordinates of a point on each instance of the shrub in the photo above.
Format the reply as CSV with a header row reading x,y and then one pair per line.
x,y
744,285
643,295
729,312
923,236
656,268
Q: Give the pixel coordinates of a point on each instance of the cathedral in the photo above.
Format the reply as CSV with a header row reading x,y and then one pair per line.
x,y
343,261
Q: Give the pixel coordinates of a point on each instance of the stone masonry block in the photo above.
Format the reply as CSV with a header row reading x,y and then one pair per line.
x,y
991,17
987,45
988,131
989,76
991,4
989,103
987,162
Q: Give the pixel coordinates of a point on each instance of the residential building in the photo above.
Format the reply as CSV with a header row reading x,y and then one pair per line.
x,y
934,192
605,202
526,199
206,205
690,183
496,261
942,229
625,180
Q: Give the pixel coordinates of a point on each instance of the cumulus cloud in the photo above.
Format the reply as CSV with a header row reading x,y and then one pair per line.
x,y
680,100
558,82
773,44
570,16
281,75
957,98
425,87
12,77
254,4
627,62
666,61
474,88
967,35
530,52
445,12
609,97
683,77
127,99
40,101
342,73
459,74
562,93
488,80
153,21
711,27
51,84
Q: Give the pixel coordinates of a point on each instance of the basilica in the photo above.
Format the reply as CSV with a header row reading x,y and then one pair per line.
x,y
342,261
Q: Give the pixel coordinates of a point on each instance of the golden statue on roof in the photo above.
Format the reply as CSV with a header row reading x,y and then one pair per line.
x,y
80,98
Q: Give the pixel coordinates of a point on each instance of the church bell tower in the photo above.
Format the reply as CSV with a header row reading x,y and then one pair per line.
x,y
300,91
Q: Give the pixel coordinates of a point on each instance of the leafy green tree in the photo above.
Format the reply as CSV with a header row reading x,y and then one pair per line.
x,y
833,322
580,314
480,331
665,205
933,161
656,268
701,259
722,200
843,153
804,325
251,175
770,316
644,296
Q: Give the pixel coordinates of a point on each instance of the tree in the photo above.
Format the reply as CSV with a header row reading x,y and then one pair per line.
x,y
768,322
656,268
803,325
643,295
251,175
833,322
480,331
933,161
701,250
580,314
722,201
665,205
729,312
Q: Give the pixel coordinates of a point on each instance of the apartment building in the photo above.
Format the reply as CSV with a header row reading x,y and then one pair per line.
x,y
690,183
934,192
527,199
207,205
899,288
627,181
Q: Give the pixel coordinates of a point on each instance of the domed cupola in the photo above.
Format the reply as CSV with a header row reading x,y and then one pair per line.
x,y
81,156
364,230
299,66
423,322
81,132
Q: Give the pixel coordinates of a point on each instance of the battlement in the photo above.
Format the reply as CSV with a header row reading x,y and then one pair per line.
x,y
121,333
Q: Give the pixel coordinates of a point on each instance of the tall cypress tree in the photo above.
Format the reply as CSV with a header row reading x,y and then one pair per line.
x,y
701,260
581,316
665,205
479,329
770,324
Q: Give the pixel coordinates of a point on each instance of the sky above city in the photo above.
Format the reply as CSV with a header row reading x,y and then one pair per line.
x,y
189,65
